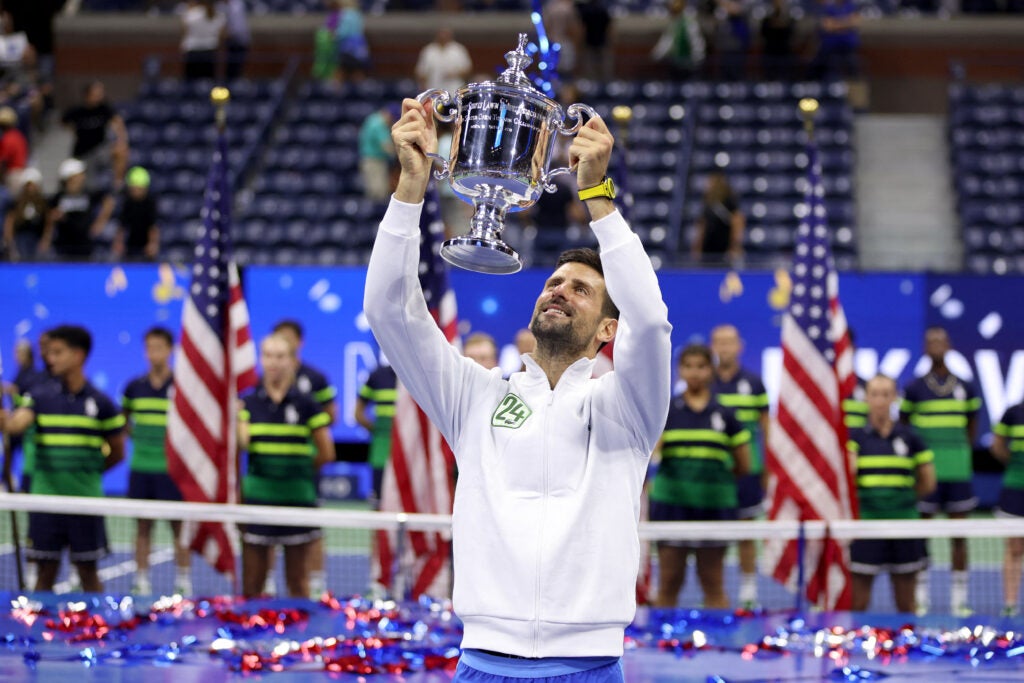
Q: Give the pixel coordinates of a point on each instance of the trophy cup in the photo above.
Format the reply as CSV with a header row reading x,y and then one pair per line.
x,y
501,147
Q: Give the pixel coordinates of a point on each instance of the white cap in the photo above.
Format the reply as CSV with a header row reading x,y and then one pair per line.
x,y
70,167
30,175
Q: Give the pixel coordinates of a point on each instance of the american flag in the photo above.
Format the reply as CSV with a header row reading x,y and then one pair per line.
x,y
214,362
418,477
806,452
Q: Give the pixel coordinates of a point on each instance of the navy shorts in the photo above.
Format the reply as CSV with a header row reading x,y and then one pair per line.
x,y
152,486
875,556
49,533
1011,503
272,534
666,512
750,496
949,496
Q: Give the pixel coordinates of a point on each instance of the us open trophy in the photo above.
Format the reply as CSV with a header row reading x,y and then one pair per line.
x,y
504,132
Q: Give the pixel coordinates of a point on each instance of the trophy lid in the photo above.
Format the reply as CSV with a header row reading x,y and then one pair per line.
x,y
517,60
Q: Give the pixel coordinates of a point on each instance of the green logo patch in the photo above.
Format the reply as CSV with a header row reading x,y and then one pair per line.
x,y
511,412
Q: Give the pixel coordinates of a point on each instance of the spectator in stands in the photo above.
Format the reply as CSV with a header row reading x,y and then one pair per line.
x,y
377,152
702,452
379,392
1008,448
353,50
443,63
138,235
25,223
720,226
13,156
17,56
35,18
73,411
287,436
681,46
237,38
203,27
731,39
838,40
564,27
77,216
101,138
777,32
894,471
482,348
596,59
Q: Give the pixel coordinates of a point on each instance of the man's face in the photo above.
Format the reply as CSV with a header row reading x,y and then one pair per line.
x,y
95,94
936,344
62,358
276,360
695,370
289,334
568,313
158,351
879,394
483,352
726,345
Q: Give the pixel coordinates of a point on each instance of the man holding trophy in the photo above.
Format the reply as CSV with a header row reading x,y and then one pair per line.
x,y
551,462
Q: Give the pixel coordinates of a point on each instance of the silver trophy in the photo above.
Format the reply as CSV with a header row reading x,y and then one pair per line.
x,y
501,148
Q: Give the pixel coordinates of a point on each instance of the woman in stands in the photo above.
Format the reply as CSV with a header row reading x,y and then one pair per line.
x,y
287,437
203,26
720,226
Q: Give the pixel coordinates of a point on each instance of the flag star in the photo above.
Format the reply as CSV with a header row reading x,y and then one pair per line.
x,y
196,289
820,231
214,252
211,310
830,355
212,291
814,331
200,250
799,289
798,310
214,271
800,269
816,292
801,249
815,311
197,269
818,271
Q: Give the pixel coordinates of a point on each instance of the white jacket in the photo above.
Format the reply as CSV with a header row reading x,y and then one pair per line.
x,y
548,497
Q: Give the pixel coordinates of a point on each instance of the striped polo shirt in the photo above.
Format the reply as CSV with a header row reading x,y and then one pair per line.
x,y
887,471
309,380
146,407
281,452
696,457
939,411
746,396
71,431
1011,428
381,390
855,407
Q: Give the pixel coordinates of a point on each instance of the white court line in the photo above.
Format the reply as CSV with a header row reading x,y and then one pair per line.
x,y
116,571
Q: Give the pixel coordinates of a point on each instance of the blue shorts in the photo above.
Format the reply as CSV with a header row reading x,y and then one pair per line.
x,y
516,669
949,496
666,512
750,496
272,534
873,556
1011,503
152,486
49,533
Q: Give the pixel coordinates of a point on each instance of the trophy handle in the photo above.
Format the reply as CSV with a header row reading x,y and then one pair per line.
x,y
441,98
575,113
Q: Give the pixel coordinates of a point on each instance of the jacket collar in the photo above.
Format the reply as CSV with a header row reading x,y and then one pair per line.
x,y
580,371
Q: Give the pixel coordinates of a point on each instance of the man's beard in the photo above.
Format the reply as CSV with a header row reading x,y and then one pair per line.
x,y
559,340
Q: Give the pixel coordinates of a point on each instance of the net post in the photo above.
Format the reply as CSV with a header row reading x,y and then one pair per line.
x,y
801,555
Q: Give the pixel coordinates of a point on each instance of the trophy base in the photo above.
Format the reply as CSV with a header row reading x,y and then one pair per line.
x,y
481,256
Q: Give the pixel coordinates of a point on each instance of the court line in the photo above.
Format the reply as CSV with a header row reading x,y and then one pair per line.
x,y
116,571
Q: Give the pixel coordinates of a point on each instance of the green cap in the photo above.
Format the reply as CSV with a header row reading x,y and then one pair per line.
x,y
137,177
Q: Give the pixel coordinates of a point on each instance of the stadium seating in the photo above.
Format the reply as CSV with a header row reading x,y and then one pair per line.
x,y
986,133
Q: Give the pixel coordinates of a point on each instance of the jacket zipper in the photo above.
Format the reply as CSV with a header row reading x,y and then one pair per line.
x,y
540,532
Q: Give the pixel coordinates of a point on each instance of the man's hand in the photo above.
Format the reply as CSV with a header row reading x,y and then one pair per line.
x,y
589,154
414,135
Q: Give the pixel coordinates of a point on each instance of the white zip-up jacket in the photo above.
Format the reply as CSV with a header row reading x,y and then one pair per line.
x,y
548,498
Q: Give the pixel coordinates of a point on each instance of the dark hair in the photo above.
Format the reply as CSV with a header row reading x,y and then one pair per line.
x,y
592,259
290,324
696,350
161,332
75,336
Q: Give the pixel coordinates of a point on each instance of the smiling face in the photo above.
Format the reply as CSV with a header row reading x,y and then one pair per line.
x,y
569,317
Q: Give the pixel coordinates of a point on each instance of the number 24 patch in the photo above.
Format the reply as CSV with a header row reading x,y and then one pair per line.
x,y
511,412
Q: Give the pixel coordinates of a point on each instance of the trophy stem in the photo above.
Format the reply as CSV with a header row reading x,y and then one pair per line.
x,y
488,218
482,249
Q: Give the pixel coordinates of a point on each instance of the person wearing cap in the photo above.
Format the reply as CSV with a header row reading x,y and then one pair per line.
x,y
78,217
25,222
138,237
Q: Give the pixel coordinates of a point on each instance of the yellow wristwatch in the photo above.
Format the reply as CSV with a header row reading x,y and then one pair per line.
x,y
605,189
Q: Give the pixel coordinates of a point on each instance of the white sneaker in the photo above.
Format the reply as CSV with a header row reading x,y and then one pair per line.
x,y
270,586
183,587
142,586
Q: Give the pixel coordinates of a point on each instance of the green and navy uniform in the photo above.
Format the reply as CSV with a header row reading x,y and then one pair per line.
x,y
281,455
29,380
695,480
940,410
381,389
1011,428
886,478
309,380
855,407
146,407
71,429
746,396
